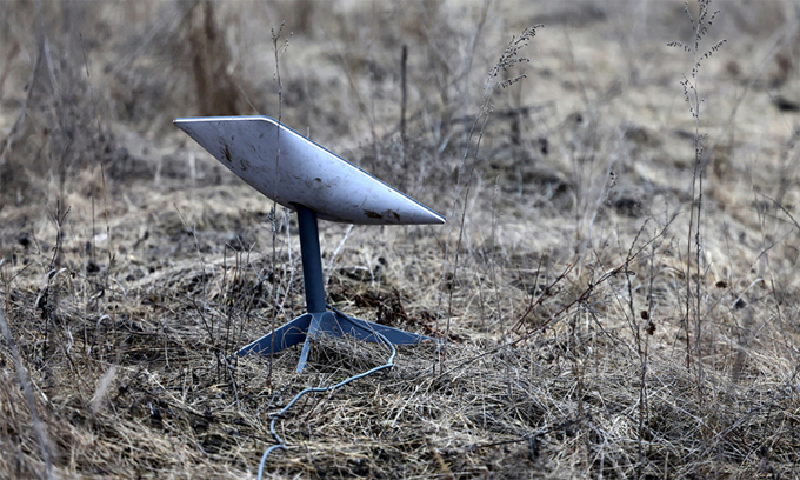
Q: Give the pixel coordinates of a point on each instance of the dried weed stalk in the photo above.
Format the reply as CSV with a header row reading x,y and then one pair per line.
x,y
38,426
509,58
691,89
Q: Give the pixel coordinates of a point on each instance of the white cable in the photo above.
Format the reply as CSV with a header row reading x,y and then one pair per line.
x,y
279,442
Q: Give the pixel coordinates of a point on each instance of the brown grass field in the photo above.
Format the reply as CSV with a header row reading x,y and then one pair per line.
x,y
616,286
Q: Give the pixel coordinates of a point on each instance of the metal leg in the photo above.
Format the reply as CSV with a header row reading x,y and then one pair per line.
x,y
363,330
313,334
286,336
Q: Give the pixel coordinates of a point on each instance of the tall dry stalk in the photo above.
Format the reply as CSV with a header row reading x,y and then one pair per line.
x,y
508,59
691,89
277,51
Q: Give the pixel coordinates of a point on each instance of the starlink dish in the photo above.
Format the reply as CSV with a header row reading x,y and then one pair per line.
x,y
299,174
293,170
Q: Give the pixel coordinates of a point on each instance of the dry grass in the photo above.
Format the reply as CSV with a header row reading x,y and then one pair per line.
x,y
132,264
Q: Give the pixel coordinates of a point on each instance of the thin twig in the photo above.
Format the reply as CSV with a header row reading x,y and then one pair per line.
x,y
38,426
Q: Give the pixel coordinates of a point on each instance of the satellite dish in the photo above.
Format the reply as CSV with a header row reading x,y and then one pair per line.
x,y
299,174
293,170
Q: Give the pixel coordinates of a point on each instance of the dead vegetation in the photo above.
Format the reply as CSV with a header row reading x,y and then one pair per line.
x,y
584,339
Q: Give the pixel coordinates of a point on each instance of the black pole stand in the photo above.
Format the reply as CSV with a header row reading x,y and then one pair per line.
x,y
319,320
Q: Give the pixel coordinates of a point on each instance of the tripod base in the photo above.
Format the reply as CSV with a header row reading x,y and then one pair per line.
x,y
311,325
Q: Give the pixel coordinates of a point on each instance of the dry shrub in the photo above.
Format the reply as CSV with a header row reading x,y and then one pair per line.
x,y
57,131
178,55
177,61
216,90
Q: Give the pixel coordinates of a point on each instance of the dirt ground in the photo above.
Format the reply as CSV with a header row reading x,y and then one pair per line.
x,y
594,326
